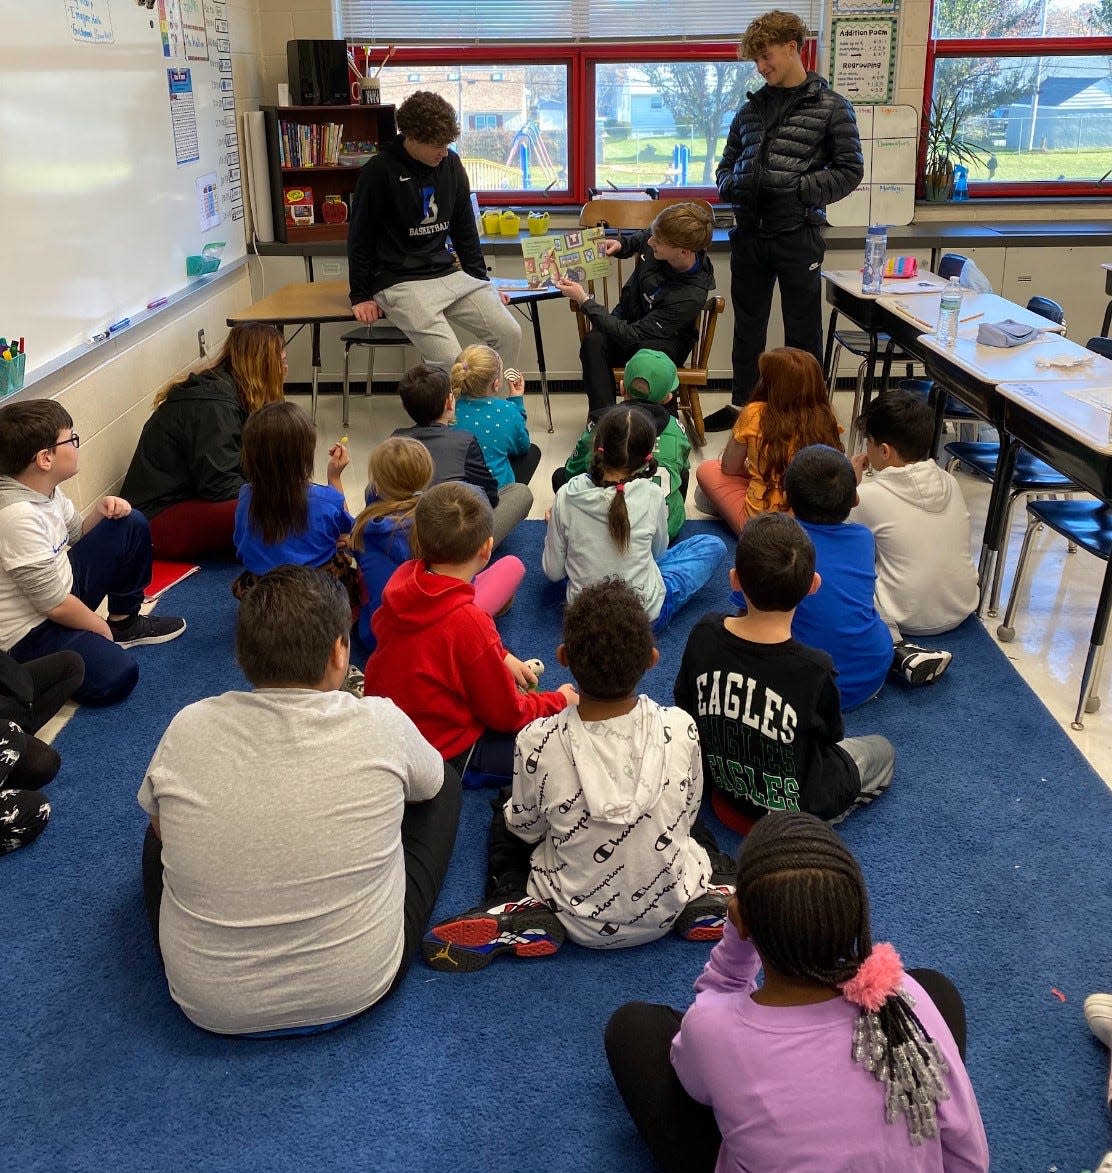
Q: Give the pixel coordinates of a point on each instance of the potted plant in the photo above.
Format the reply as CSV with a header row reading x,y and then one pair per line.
x,y
946,146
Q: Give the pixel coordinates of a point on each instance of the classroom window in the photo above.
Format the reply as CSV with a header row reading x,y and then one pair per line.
x,y
1032,94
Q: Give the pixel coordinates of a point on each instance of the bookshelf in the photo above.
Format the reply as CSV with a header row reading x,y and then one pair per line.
x,y
357,124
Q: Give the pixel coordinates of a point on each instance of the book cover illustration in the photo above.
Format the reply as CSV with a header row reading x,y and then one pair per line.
x,y
298,202
575,256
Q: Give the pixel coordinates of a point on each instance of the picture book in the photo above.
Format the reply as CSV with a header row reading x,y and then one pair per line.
x,y
298,202
575,256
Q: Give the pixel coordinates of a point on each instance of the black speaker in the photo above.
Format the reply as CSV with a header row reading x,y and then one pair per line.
x,y
318,73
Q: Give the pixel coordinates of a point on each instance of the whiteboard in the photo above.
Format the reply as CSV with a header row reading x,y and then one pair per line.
x,y
108,180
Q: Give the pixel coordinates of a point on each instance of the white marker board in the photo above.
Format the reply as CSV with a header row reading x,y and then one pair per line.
x,y
101,162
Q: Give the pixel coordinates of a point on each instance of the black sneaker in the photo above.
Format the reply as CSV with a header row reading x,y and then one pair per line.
x,y
721,420
146,629
705,917
463,944
919,665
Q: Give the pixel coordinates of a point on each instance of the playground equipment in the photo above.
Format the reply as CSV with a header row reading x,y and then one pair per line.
x,y
526,144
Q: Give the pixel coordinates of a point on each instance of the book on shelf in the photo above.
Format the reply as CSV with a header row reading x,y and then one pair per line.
x,y
298,202
309,144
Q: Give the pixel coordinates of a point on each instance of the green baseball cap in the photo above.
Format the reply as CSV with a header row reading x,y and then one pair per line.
x,y
657,370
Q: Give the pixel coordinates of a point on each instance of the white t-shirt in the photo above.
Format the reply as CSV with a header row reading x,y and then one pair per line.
x,y
283,877
612,803
34,530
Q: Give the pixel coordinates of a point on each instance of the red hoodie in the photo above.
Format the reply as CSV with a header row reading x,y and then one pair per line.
x,y
439,659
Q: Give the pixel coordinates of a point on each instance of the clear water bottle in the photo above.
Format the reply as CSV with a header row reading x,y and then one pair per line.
x,y
949,311
876,253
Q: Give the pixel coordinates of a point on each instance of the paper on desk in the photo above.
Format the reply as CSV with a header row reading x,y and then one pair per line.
x,y
1063,362
913,315
1099,397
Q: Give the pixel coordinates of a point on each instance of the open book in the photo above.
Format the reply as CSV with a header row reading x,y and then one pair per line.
x,y
575,256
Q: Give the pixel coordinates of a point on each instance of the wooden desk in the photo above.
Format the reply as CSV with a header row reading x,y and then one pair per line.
x,y
312,303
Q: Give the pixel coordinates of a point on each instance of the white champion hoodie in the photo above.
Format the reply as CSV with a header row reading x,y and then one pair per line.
x,y
926,582
612,804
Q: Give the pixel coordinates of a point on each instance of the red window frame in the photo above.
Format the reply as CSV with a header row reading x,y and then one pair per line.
x,y
1015,47
581,62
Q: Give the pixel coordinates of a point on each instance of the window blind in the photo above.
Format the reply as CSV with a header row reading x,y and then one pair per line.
x,y
476,22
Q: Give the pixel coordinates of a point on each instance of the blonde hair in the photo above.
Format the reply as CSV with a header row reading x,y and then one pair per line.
x,y
252,355
688,225
474,372
774,28
399,470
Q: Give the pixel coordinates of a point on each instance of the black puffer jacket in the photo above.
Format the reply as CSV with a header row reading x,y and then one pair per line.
x,y
779,181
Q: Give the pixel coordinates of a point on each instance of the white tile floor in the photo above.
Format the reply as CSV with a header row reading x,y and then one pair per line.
x,y
1053,625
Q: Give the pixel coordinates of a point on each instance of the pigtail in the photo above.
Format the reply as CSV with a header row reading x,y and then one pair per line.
x,y
401,511
624,443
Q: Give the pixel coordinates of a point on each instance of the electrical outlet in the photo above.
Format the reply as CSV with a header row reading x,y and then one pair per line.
x,y
202,345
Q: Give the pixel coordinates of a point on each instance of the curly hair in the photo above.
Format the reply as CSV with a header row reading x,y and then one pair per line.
x,y
398,471
688,225
474,372
624,441
427,118
774,28
797,411
608,639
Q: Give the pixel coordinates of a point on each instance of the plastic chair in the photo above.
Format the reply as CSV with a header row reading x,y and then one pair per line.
x,y
1088,524
379,334
1100,345
694,374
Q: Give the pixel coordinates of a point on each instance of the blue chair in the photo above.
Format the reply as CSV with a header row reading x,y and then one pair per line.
x,y
1088,524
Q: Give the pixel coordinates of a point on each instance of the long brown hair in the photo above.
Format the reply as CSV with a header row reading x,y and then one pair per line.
x,y
279,444
624,441
252,355
797,411
399,470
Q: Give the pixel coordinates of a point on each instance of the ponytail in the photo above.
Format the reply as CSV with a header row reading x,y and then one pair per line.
x,y
624,442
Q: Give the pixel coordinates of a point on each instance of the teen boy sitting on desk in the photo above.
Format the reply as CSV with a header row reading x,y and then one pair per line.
x,y
55,570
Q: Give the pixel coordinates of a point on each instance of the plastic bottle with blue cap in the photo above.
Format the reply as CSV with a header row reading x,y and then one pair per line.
x,y
876,254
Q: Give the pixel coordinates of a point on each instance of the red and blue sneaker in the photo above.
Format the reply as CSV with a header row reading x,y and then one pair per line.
x,y
471,941
705,917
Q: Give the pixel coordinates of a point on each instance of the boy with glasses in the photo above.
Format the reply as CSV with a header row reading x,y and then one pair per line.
x,y
56,569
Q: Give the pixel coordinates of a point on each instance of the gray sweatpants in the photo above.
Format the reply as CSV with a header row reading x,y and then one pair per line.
x,y
875,758
514,503
430,312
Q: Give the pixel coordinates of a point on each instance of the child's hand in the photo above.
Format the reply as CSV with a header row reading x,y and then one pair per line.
x,y
569,691
515,380
860,463
339,457
572,290
343,543
548,516
524,676
113,507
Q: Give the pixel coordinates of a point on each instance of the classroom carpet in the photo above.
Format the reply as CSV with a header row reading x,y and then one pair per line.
x,y
987,859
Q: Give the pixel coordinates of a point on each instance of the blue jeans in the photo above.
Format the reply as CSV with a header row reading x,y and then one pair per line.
x,y
113,561
686,568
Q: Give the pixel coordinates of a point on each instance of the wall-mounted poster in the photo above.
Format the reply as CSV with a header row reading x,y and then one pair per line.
x,y
889,140
863,58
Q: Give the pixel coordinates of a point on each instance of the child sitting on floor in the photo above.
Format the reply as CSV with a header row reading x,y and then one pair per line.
x,y
841,617
789,410
426,395
497,423
399,470
598,838
614,520
438,656
871,1055
926,582
767,706
283,518
650,381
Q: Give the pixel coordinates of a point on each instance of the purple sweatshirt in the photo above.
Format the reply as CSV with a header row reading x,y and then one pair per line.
x,y
784,1088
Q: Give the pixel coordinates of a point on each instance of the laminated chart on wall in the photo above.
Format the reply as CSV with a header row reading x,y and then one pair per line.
x,y
886,195
863,58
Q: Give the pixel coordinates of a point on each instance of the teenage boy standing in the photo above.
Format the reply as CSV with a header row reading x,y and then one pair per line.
x,y
793,148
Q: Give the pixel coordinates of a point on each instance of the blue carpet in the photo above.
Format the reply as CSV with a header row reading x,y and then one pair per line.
x,y
987,859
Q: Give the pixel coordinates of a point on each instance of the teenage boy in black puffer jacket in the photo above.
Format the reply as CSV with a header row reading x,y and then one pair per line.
x,y
793,148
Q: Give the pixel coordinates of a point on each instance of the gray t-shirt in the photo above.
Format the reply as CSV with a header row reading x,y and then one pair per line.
x,y
280,812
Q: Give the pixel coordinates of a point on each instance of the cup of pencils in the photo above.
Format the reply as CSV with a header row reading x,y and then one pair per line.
x,y
13,365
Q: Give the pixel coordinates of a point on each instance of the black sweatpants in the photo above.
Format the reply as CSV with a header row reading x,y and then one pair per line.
x,y
600,353
682,1134
757,263
428,835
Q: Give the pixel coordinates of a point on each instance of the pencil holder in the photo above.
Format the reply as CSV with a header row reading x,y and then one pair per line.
x,y
537,223
11,374
511,223
492,223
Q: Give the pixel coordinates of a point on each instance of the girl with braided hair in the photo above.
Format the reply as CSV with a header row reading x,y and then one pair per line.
x,y
613,521
840,1060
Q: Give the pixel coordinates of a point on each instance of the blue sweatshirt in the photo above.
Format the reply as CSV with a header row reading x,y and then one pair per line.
x,y
314,546
385,548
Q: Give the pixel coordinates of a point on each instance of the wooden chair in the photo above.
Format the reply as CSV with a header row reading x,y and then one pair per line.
x,y
632,214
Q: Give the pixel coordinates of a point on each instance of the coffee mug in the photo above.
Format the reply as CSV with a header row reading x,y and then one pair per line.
x,y
370,92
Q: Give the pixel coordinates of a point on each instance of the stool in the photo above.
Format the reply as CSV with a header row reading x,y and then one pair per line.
x,y
1032,476
1089,524
378,334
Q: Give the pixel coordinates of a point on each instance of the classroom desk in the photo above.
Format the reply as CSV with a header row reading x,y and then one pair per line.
x,y
530,299
844,296
973,374
1075,437
312,303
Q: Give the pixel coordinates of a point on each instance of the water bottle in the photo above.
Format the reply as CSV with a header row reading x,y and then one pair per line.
x,y
949,311
876,253
961,183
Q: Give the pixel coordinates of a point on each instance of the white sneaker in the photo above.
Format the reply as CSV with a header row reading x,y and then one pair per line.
x,y
1098,1014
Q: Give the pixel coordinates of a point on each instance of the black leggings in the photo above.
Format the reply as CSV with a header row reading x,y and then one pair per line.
x,y
681,1134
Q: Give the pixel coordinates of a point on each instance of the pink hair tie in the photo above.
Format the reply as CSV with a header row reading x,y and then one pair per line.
x,y
620,487
878,977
